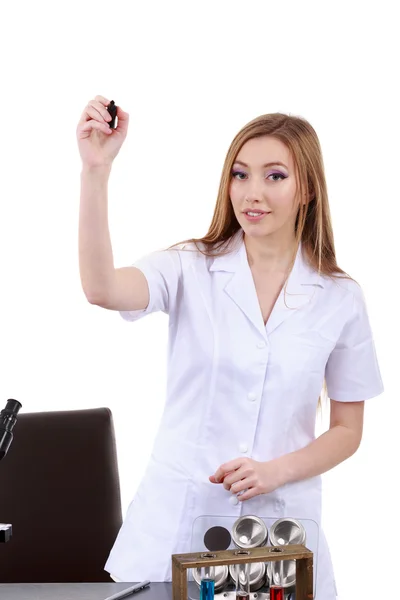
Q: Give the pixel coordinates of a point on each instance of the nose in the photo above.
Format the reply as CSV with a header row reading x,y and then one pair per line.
x,y
252,197
254,192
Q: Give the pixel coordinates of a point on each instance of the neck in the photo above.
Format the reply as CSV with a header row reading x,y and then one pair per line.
x,y
269,254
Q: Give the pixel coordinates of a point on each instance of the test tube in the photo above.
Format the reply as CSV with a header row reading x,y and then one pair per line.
x,y
242,581
207,583
276,592
276,589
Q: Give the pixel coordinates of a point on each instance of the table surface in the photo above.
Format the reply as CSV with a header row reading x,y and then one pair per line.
x,y
80,591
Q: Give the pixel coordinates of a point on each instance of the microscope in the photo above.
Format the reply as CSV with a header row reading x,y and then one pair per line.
x,y
8,418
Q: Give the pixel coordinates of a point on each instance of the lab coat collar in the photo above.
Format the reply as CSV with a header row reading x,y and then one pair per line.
x,y
301,285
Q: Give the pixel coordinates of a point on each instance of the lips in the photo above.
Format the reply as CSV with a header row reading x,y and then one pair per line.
x,y
255,215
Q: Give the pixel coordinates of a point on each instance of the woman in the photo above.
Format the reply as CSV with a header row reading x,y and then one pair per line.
x,y
260,317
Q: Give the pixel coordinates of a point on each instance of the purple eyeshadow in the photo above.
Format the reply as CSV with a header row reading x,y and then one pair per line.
x,y
277,173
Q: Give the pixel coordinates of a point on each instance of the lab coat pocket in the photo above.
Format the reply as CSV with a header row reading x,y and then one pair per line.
x,y
308,351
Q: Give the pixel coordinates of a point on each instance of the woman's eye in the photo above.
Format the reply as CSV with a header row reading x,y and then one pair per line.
x,y
277,175
241,176
238,175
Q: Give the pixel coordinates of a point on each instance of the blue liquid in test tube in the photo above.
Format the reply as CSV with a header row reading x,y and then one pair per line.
x,y
207,589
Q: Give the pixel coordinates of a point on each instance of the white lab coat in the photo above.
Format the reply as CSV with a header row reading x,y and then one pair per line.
x,y
239,388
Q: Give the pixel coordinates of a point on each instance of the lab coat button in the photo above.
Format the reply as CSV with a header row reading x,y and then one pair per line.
x,y
234,500
243,448
252,396
261,345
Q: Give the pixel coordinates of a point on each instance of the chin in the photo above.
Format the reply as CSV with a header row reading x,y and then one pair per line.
x,y
256,231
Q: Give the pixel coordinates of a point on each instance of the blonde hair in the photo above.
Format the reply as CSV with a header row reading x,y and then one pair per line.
x,y
313,227
313,223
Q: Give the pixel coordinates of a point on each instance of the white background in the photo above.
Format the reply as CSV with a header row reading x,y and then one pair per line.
x,y
191,74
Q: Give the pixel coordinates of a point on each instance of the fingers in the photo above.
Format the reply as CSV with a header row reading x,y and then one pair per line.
x,y
121,114
234,480
240,486
226,468
122,121
229,479
97,111
95,117
249,493
220,478
213,479
103,100
86,128
232,471
244,484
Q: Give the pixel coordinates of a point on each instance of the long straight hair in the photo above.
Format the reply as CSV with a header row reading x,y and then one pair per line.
x,y
313,226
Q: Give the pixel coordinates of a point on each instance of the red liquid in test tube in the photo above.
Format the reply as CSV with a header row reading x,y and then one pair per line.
x,y
276,592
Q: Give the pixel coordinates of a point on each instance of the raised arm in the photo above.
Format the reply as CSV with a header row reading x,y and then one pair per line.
x,y
116,289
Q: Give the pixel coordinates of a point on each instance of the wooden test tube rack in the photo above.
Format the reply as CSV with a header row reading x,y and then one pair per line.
x,y
304,565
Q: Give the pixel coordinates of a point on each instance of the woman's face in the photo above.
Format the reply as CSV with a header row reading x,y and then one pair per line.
x,y
263,188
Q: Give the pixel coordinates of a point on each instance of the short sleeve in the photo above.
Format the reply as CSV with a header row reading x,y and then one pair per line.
x,y
352,372
163,272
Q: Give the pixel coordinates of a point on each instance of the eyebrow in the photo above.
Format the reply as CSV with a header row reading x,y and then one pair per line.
x,y
270,164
